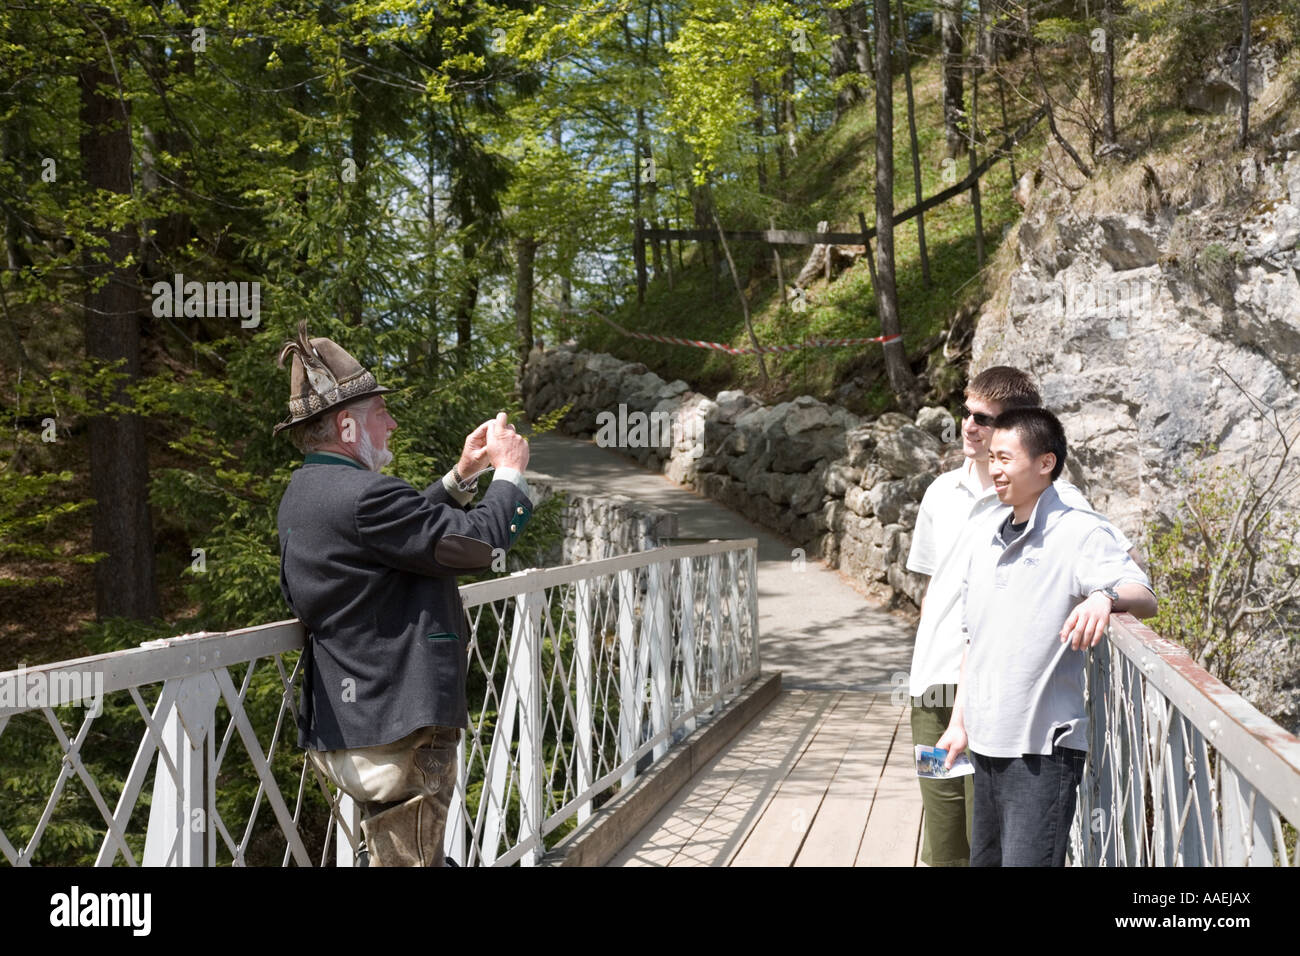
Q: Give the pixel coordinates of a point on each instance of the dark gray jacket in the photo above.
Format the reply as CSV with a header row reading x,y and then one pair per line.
x,y
368,564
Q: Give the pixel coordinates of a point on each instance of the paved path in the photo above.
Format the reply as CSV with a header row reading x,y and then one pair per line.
x,y
815,628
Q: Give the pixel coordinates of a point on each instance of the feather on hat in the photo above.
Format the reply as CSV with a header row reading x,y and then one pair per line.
x,y
322,375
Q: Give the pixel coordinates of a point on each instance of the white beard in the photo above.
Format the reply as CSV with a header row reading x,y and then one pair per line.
x,y
376,459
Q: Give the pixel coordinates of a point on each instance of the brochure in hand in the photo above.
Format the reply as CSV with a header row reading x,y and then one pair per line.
x,y
929,763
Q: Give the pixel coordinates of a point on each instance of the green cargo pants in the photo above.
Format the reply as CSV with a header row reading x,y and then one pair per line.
x,y
948,803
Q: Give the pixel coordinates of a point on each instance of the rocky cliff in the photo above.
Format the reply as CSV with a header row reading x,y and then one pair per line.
x,y
1130,320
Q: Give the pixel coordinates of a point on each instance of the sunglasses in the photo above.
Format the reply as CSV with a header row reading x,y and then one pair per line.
x,y
984,421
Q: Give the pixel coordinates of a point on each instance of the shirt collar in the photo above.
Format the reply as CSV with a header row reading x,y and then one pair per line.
x,y
971,481
331,458
1047,502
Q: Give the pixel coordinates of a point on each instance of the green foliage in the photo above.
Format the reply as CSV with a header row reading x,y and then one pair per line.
x,y
26,517
1224,570
551,420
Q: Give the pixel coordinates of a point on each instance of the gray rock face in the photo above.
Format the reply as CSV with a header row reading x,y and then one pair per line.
x,y
1135,327
938,422
905,450
1219,91
887,500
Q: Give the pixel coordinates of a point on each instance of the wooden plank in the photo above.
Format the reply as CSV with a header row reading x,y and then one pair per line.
x,y
893,829
721,836
673,826
836,832
724,828
777,835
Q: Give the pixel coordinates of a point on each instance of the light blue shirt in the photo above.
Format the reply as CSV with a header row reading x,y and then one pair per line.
x,y
1022,683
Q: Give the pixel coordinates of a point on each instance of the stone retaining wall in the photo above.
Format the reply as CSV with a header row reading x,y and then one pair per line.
x,y
842,488
603,526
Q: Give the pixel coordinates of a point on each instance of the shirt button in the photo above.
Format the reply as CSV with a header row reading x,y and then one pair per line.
x,y
519,511
513,528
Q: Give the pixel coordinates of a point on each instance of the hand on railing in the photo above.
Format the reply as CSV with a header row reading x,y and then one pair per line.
x,y
1086,625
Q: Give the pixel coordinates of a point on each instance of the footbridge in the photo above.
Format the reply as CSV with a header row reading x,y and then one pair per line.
x,y
717,701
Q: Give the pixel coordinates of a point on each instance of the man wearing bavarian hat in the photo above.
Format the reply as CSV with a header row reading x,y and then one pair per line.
x,y
368,564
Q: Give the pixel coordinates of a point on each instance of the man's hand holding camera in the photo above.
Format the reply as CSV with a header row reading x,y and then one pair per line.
x,y
494,443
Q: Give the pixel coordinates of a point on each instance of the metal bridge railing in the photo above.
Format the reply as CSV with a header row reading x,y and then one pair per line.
x,y
580,677
1181,770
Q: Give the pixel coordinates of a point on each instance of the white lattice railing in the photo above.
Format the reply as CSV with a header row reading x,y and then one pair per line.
x,y
580,677
1181,770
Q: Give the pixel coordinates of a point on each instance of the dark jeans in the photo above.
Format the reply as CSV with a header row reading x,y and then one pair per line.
x,y
1024,807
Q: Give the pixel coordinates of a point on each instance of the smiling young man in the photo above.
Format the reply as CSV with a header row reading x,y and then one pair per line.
x,y
954,504
1040,586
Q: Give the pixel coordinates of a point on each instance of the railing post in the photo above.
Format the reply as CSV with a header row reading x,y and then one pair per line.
x,y
1084,837
583,722
751,557
732,651
686,615
629,692
344,852
1247,831
454,843
715,630
1194,846
528,615
1133,772
657,635
181,831
498,758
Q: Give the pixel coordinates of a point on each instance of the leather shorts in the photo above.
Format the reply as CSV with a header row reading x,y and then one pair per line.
x,y
423,763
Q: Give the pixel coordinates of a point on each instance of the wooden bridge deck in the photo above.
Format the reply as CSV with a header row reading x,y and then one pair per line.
x,y
821,778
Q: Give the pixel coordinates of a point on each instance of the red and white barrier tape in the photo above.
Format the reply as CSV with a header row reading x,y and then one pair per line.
x,y
730,350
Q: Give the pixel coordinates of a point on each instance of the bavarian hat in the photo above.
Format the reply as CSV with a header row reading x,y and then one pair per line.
x,y
322,376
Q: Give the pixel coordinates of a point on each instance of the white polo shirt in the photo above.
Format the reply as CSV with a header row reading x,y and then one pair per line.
x,y
953,506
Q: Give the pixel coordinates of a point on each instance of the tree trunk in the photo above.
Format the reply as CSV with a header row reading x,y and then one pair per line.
x,y
842,60
170,233
787,83
355,195
915,148
465,308
125,581
1244,75
430,348
525,255
900,375
757,91
951,52
1108,73
780,144
16,256
861,38
975,68
702,209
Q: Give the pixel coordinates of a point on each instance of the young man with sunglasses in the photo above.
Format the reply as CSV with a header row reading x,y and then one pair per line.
x,y
1040,586
953,505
